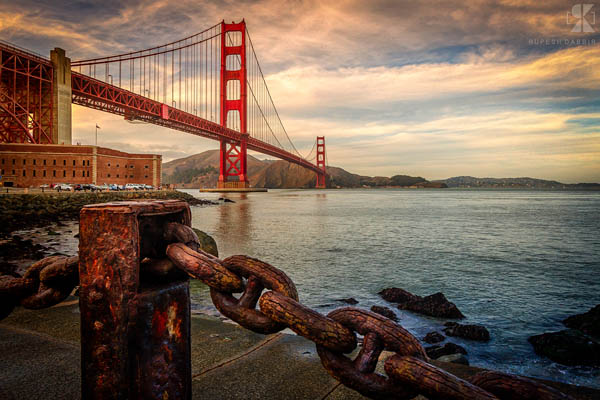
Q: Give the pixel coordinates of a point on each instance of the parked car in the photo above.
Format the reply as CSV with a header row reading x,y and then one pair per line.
x,y
103,187
132,186
63,187
78,187
44,186
114,187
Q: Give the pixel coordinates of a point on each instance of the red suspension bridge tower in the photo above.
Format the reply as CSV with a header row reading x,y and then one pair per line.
x,y
321,162
233,156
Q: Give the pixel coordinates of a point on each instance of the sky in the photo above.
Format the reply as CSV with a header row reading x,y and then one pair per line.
x,y
503,88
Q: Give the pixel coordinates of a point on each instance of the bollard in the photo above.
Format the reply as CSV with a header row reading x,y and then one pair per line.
x,y
135,332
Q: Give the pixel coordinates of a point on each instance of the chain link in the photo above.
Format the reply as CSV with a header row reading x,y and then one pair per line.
x,y
44,284
409,371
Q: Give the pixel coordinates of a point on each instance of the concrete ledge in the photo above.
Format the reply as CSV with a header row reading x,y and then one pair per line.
x,y
41,359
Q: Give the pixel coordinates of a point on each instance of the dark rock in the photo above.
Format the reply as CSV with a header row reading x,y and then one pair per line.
x,y
53,233
349,300
472,332
588,322
568,347
397,295
207,243
18,249
385,311
226,200
7,268
454,358
437,350
435,305
434,337
76,235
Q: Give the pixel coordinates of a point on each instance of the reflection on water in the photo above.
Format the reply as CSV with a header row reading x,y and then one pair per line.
x,y
517,262
235,222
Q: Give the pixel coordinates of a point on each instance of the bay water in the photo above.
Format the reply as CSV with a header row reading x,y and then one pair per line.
x,y
515,261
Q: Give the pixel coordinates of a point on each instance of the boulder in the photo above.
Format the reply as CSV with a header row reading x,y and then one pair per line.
x,y
454,358
471,332
397,295
385,311
207,243
434,337
349,300
437,351
588,322
568,347
435,305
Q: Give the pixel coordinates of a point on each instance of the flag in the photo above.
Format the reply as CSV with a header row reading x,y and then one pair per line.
x,y
97,127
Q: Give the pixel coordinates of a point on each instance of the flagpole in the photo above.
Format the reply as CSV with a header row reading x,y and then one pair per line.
x,y
96,143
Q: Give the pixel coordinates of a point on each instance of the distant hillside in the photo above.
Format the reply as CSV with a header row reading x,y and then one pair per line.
x,y
515,183
342,178
201,170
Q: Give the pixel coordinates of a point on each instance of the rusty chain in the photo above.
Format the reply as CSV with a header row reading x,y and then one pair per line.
x,y
44,284
409,371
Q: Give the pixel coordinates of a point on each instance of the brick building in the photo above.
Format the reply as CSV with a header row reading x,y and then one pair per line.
x,y
31,165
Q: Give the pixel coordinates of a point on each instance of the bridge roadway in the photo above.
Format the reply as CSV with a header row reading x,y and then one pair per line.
x,y
41,360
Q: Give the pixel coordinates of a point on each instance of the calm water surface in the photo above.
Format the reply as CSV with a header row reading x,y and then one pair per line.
x,y
517,262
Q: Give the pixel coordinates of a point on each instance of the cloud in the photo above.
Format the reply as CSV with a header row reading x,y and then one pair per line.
x,y
314,86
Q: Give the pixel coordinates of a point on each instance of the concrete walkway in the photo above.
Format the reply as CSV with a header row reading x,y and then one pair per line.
x,y
40,359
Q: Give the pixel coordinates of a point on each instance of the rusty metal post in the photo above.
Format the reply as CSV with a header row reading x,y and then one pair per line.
x,y
135,333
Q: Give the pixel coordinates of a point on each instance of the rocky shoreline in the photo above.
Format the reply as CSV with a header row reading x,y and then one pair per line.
x,y
22,211
576,346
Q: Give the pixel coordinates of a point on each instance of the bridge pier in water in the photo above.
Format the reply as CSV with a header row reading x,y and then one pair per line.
x,y
233,163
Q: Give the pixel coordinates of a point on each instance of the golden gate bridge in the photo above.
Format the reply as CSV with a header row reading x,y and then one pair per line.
x,y
209,84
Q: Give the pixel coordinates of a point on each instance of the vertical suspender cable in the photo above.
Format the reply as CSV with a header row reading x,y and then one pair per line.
x,y
205,80
211,81
172,75
179,73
